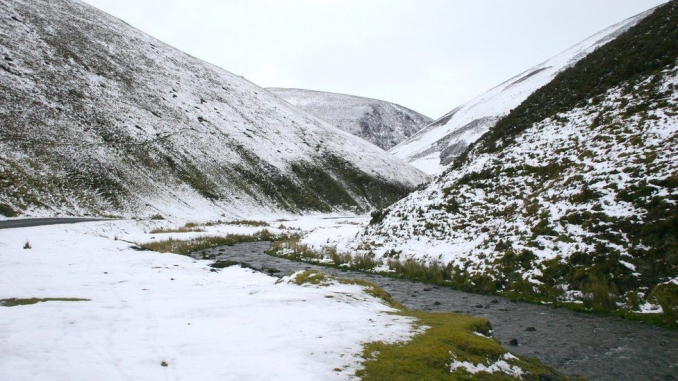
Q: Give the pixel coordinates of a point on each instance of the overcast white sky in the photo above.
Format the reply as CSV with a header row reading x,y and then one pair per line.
x,y
427,55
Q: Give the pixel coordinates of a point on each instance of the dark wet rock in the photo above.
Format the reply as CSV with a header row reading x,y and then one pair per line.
x,y
436,303
227,263
513,342
530,329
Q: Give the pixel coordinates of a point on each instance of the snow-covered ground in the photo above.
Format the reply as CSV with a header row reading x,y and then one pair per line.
x,y
338,232
166,316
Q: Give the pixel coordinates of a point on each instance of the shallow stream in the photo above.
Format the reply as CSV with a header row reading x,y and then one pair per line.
x,y
595,347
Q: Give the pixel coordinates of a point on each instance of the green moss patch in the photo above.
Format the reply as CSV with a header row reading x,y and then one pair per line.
x,y
13,302
666,295
312,277
447,337
317,278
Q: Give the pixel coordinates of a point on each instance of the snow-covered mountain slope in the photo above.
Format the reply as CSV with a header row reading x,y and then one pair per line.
x,y
382,123
434,147
574,195
100,118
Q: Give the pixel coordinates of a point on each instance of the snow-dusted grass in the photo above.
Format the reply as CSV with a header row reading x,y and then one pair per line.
x,y
147,309
187,246
580,207
433,272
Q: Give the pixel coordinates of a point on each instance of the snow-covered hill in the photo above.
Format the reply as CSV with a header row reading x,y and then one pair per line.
x,y
382,123
434,147
573,196
99,118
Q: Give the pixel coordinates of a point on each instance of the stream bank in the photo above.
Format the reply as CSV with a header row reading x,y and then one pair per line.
x,y
577,344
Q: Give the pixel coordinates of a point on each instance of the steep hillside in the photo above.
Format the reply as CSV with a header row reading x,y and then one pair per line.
x,y
573,196
434,147
99,118
382,123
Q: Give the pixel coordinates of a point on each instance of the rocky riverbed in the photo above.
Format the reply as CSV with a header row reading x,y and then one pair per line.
x,y
595,347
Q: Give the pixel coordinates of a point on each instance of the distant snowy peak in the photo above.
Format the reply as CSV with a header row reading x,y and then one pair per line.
x,y
382,123
434,147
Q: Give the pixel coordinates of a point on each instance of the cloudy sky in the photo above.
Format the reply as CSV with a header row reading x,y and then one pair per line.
x,y
428,55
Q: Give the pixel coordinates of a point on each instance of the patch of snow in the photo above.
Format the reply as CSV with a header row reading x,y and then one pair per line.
x,y
499,366
649,308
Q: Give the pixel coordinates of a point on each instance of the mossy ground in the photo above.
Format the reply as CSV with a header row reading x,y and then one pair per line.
x,y
429,354
318,278
13,302
312,277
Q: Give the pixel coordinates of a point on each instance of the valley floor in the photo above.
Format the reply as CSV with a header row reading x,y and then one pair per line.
x,y
91,307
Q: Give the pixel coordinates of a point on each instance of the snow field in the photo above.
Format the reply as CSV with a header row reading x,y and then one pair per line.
x,y
147,308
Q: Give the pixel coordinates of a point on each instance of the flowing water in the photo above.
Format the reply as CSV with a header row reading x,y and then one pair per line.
x,y
577,344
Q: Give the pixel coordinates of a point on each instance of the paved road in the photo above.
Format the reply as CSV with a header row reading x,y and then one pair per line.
x,y
30,222
599,348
